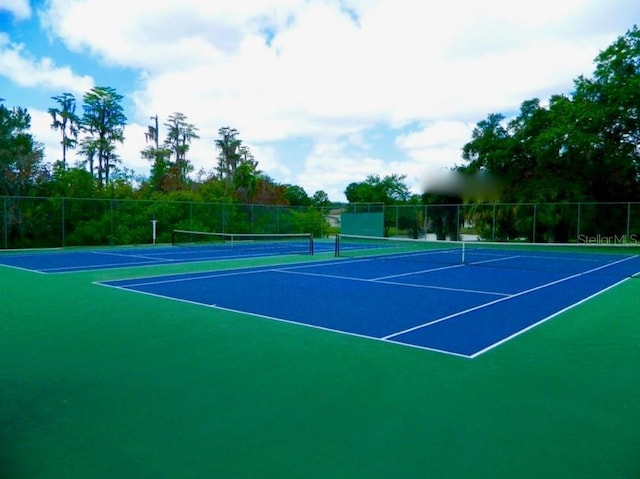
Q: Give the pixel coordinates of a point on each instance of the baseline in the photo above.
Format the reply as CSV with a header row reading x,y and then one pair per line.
x,y
481,328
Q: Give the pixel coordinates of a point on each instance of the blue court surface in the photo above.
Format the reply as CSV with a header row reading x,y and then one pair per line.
x,y
108,258
460,309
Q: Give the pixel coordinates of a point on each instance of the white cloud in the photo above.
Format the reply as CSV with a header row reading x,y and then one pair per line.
x,y
18,65
41,123
269,163
437,134
163,35
331,166
325,73
434,149
20,9
329,71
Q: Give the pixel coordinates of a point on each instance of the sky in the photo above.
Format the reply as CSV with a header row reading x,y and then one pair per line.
x,y
323,92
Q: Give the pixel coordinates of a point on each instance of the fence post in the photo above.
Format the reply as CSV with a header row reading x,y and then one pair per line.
x,y
397,221
533,239
111,215
426,221
579,215
493,223
62,225
5,223
628,222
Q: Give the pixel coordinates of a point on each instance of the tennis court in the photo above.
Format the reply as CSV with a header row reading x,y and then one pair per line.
x,y
188,247
316,366
466,305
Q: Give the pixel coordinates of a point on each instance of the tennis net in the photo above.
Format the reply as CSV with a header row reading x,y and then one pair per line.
x,y
268,244
553,257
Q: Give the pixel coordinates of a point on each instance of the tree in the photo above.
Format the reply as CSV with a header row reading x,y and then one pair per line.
x,y
609,114
21,155
65,119
237,167
361,192
103,122
267,191
21,173
72,182
388,190
159,158
592,136
583,147
228,146
320,199
153,134
490,147
526,152
244,182
529,156
180,134
296,196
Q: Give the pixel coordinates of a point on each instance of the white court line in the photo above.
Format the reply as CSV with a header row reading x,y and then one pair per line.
x,y
521,293
286,269
23,269
311,263
95,267
131,256
570,259
411,273
393,283
234,272
172,262
531,326
495,260
282,320
192,278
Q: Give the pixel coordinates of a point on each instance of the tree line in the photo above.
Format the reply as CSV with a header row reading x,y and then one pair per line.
x,y
99,171
580,147
577,147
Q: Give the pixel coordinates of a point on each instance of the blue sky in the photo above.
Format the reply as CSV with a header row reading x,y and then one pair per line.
x,y
324,92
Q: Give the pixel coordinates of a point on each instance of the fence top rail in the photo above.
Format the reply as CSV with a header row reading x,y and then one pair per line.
x,y
187,202
331,206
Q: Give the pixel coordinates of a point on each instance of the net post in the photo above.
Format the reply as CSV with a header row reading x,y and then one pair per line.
x,y
463,251
154,224
173,237
311,245
337,248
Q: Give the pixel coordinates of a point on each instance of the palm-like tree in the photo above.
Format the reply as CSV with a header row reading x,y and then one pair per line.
x,y
229,154
65,119
103,122
180,133
152,133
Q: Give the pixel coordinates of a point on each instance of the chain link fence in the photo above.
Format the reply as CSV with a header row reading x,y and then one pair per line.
x,y
531,222
33,222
